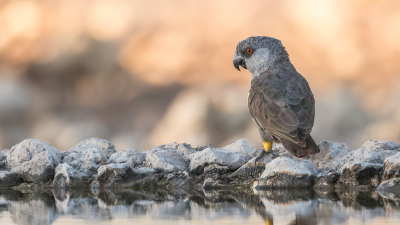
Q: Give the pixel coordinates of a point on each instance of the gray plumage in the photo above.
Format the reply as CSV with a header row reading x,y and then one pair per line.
x,y
280,100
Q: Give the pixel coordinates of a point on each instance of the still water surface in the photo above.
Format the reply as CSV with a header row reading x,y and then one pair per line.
x,y
161,207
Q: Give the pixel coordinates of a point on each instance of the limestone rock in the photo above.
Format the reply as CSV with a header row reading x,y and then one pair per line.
x,y
241,146
34,161
280,150
122,175
68,177
390,189
133,157
252,169
383,148
216,169
329,180
361,155
103,145
284,172
6,152
3,158
144,170
185,149
220,157
210,183
39,169
9,179
114,174
391,167
168,160
28,149
328,152
85,159
360,173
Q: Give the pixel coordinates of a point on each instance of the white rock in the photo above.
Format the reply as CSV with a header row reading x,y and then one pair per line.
x,y
3,158
166,159
29,148
360,155
252,169
39,169
383,148
217,156
284,172
278,149
293,166
241,146
122,175
391,167
33,160
328,152
6,152
185,149
85,159
103,145
133,157
117,168
143,170
67,176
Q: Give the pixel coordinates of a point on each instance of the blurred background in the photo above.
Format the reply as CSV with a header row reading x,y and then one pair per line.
x,y
145,73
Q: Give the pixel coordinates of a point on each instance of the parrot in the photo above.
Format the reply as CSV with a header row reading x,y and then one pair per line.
x,y
280,100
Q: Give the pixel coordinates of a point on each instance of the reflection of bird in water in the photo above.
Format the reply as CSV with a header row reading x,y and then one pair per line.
x,y
269,221
267,217
280,101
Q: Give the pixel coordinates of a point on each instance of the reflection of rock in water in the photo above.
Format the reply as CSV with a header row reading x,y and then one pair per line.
x,y
273,206
303,207
288,195
362,199
38,209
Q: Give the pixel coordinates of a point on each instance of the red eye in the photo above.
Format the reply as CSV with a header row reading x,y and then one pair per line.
x,y
249,51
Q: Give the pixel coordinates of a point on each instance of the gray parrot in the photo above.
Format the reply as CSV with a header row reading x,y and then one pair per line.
x,y
280,101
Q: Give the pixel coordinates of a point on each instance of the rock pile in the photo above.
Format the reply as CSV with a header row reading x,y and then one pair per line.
x,y
95,163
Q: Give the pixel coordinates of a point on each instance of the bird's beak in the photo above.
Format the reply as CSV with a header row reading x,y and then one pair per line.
x,y
238,61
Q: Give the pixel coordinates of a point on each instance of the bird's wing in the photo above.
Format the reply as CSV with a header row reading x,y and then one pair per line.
x,y
282,104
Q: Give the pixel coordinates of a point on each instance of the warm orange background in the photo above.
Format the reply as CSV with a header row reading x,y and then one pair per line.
x,y
144,73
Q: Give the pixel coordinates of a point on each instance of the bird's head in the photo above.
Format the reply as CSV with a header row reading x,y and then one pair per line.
x,y
257,54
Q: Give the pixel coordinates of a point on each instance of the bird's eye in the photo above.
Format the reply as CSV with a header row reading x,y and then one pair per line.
x,y
249,51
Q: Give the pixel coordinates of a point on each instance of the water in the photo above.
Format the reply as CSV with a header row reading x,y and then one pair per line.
x,y
308,207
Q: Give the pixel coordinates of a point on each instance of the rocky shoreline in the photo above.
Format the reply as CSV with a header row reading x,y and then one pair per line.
x,y
94,163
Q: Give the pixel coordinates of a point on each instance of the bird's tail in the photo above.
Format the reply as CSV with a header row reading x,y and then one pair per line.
x,y
300,152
